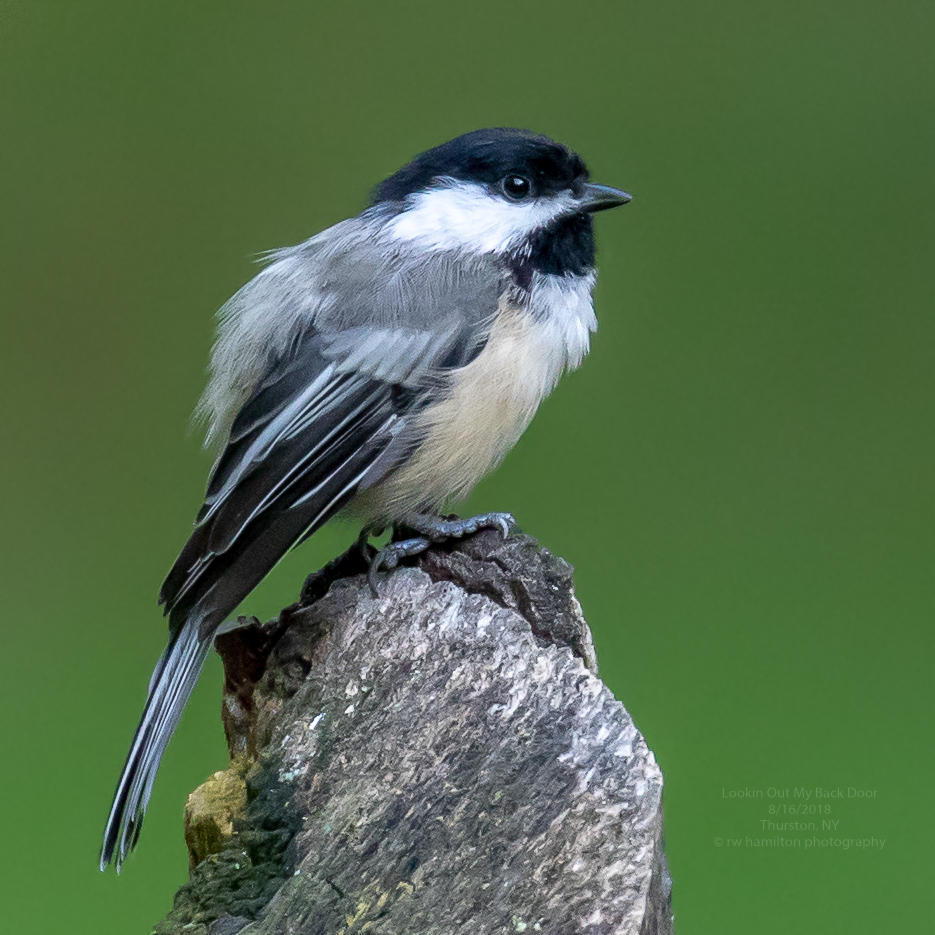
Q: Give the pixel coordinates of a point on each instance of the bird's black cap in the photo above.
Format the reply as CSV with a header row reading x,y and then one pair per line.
x,y
487,156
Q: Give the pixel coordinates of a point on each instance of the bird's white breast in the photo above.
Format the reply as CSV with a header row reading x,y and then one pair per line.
x,y
492,400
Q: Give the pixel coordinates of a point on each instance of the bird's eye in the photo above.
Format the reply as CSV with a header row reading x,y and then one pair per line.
x,y
515,187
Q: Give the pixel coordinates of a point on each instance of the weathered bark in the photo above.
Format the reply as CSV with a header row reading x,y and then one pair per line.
x,y
440,759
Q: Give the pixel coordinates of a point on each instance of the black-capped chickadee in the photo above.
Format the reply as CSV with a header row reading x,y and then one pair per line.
x,y
381,369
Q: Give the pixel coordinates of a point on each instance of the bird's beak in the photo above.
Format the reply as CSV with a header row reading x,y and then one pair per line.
x,y
601,197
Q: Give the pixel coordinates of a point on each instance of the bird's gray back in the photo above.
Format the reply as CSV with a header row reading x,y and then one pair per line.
x,y
375,306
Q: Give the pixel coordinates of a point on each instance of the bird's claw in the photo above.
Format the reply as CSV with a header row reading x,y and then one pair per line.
x,y
430,529
388,557
438,530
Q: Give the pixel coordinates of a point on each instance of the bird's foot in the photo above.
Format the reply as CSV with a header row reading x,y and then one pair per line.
x,y
388,557
438,528
429,529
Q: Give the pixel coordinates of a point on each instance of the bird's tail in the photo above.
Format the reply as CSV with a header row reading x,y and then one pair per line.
x,y
169,690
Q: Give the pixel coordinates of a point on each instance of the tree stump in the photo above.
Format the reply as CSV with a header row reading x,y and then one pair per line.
x,y
440,759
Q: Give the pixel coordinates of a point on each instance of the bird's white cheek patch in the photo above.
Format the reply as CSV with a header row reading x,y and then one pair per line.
x,y
464,216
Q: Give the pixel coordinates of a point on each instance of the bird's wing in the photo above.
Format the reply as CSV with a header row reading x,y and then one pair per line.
x,y
331,415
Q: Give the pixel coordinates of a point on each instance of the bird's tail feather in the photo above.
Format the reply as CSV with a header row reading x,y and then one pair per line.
x,y
174,678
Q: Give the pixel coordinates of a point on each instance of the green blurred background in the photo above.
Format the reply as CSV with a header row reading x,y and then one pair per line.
x,y
741,472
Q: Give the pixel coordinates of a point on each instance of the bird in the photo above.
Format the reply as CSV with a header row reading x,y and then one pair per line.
x,y
377,370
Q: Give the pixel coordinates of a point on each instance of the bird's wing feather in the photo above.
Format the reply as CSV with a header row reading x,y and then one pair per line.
x,y
355,286
325,417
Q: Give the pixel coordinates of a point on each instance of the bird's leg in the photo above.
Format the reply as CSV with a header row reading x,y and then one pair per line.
x,y
363,540
431,529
